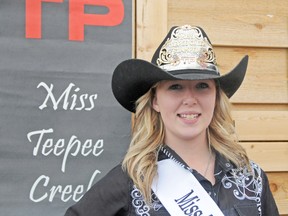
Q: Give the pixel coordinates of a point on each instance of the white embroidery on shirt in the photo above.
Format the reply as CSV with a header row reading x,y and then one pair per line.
x,y
138,202
141,208
156,204
248,185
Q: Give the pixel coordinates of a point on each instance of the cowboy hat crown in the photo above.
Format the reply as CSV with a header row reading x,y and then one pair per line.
x,y
185,53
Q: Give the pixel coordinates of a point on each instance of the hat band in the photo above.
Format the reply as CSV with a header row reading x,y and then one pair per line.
x,y
195,71
191,66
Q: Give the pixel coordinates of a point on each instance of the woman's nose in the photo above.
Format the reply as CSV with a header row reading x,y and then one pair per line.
x,y
189,98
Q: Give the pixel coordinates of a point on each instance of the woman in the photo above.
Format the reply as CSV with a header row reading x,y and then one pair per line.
x,y
184,158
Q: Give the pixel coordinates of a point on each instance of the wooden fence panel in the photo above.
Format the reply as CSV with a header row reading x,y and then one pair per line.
x,y
261,23
149,30
271,156
258,28
266,80
279,187
261,125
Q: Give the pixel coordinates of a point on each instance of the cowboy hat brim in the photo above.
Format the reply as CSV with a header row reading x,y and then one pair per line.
x,y
134,77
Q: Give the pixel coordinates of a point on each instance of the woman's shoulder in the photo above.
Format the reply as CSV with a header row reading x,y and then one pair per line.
x,y
252,170
256,169
106,197
116,171
116,177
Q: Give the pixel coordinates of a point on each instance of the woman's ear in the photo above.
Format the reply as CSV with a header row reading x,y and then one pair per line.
x,y
155,104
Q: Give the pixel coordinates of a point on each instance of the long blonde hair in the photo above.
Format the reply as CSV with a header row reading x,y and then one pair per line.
x,y
140,161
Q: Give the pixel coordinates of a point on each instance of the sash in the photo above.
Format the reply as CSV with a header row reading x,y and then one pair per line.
x,y
181,193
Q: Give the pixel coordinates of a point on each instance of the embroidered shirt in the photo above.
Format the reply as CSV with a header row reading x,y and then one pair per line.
x,y
236,191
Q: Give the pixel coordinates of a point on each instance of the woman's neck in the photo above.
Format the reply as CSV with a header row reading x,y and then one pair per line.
x,y
197,155
196,148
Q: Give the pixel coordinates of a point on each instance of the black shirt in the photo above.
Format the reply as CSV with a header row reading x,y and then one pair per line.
x,y
236,191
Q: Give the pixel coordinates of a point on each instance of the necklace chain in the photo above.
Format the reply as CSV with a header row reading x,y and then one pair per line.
x,y
208,164
210,151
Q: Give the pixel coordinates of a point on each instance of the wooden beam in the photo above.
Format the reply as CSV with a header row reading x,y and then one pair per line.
x,y
151,22
271,156
255,23
266,79
261,125
279,187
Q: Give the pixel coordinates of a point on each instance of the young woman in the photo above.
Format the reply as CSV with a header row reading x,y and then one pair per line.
x,y
184,157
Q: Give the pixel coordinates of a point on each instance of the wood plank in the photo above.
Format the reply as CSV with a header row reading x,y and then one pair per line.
x,y
151,22
279,187
271,156
266,80
261,125
259,107
260,23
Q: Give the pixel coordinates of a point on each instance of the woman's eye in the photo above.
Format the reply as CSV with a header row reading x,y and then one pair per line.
x,y
202,85
175,87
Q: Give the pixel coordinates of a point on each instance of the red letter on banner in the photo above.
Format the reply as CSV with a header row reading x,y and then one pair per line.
x,y
78,19
33,17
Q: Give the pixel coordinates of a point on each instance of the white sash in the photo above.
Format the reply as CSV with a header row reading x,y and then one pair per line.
x,y
181,193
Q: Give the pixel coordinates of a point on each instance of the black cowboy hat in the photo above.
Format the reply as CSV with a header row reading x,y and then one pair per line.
x,y
186,53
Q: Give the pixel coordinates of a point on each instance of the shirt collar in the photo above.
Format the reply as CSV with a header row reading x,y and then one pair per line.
x,y
222,164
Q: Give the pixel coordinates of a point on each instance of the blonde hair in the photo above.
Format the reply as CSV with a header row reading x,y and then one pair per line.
x,y
223,136
140,161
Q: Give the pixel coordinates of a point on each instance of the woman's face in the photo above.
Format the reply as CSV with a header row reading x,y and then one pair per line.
x,y
186,108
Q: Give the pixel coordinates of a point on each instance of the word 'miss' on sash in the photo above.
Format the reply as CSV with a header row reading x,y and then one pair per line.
x,y
181,193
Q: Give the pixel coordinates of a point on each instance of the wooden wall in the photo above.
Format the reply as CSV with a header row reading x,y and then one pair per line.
x,y
258,28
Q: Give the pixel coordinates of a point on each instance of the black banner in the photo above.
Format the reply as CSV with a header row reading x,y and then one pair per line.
x,y
61,129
